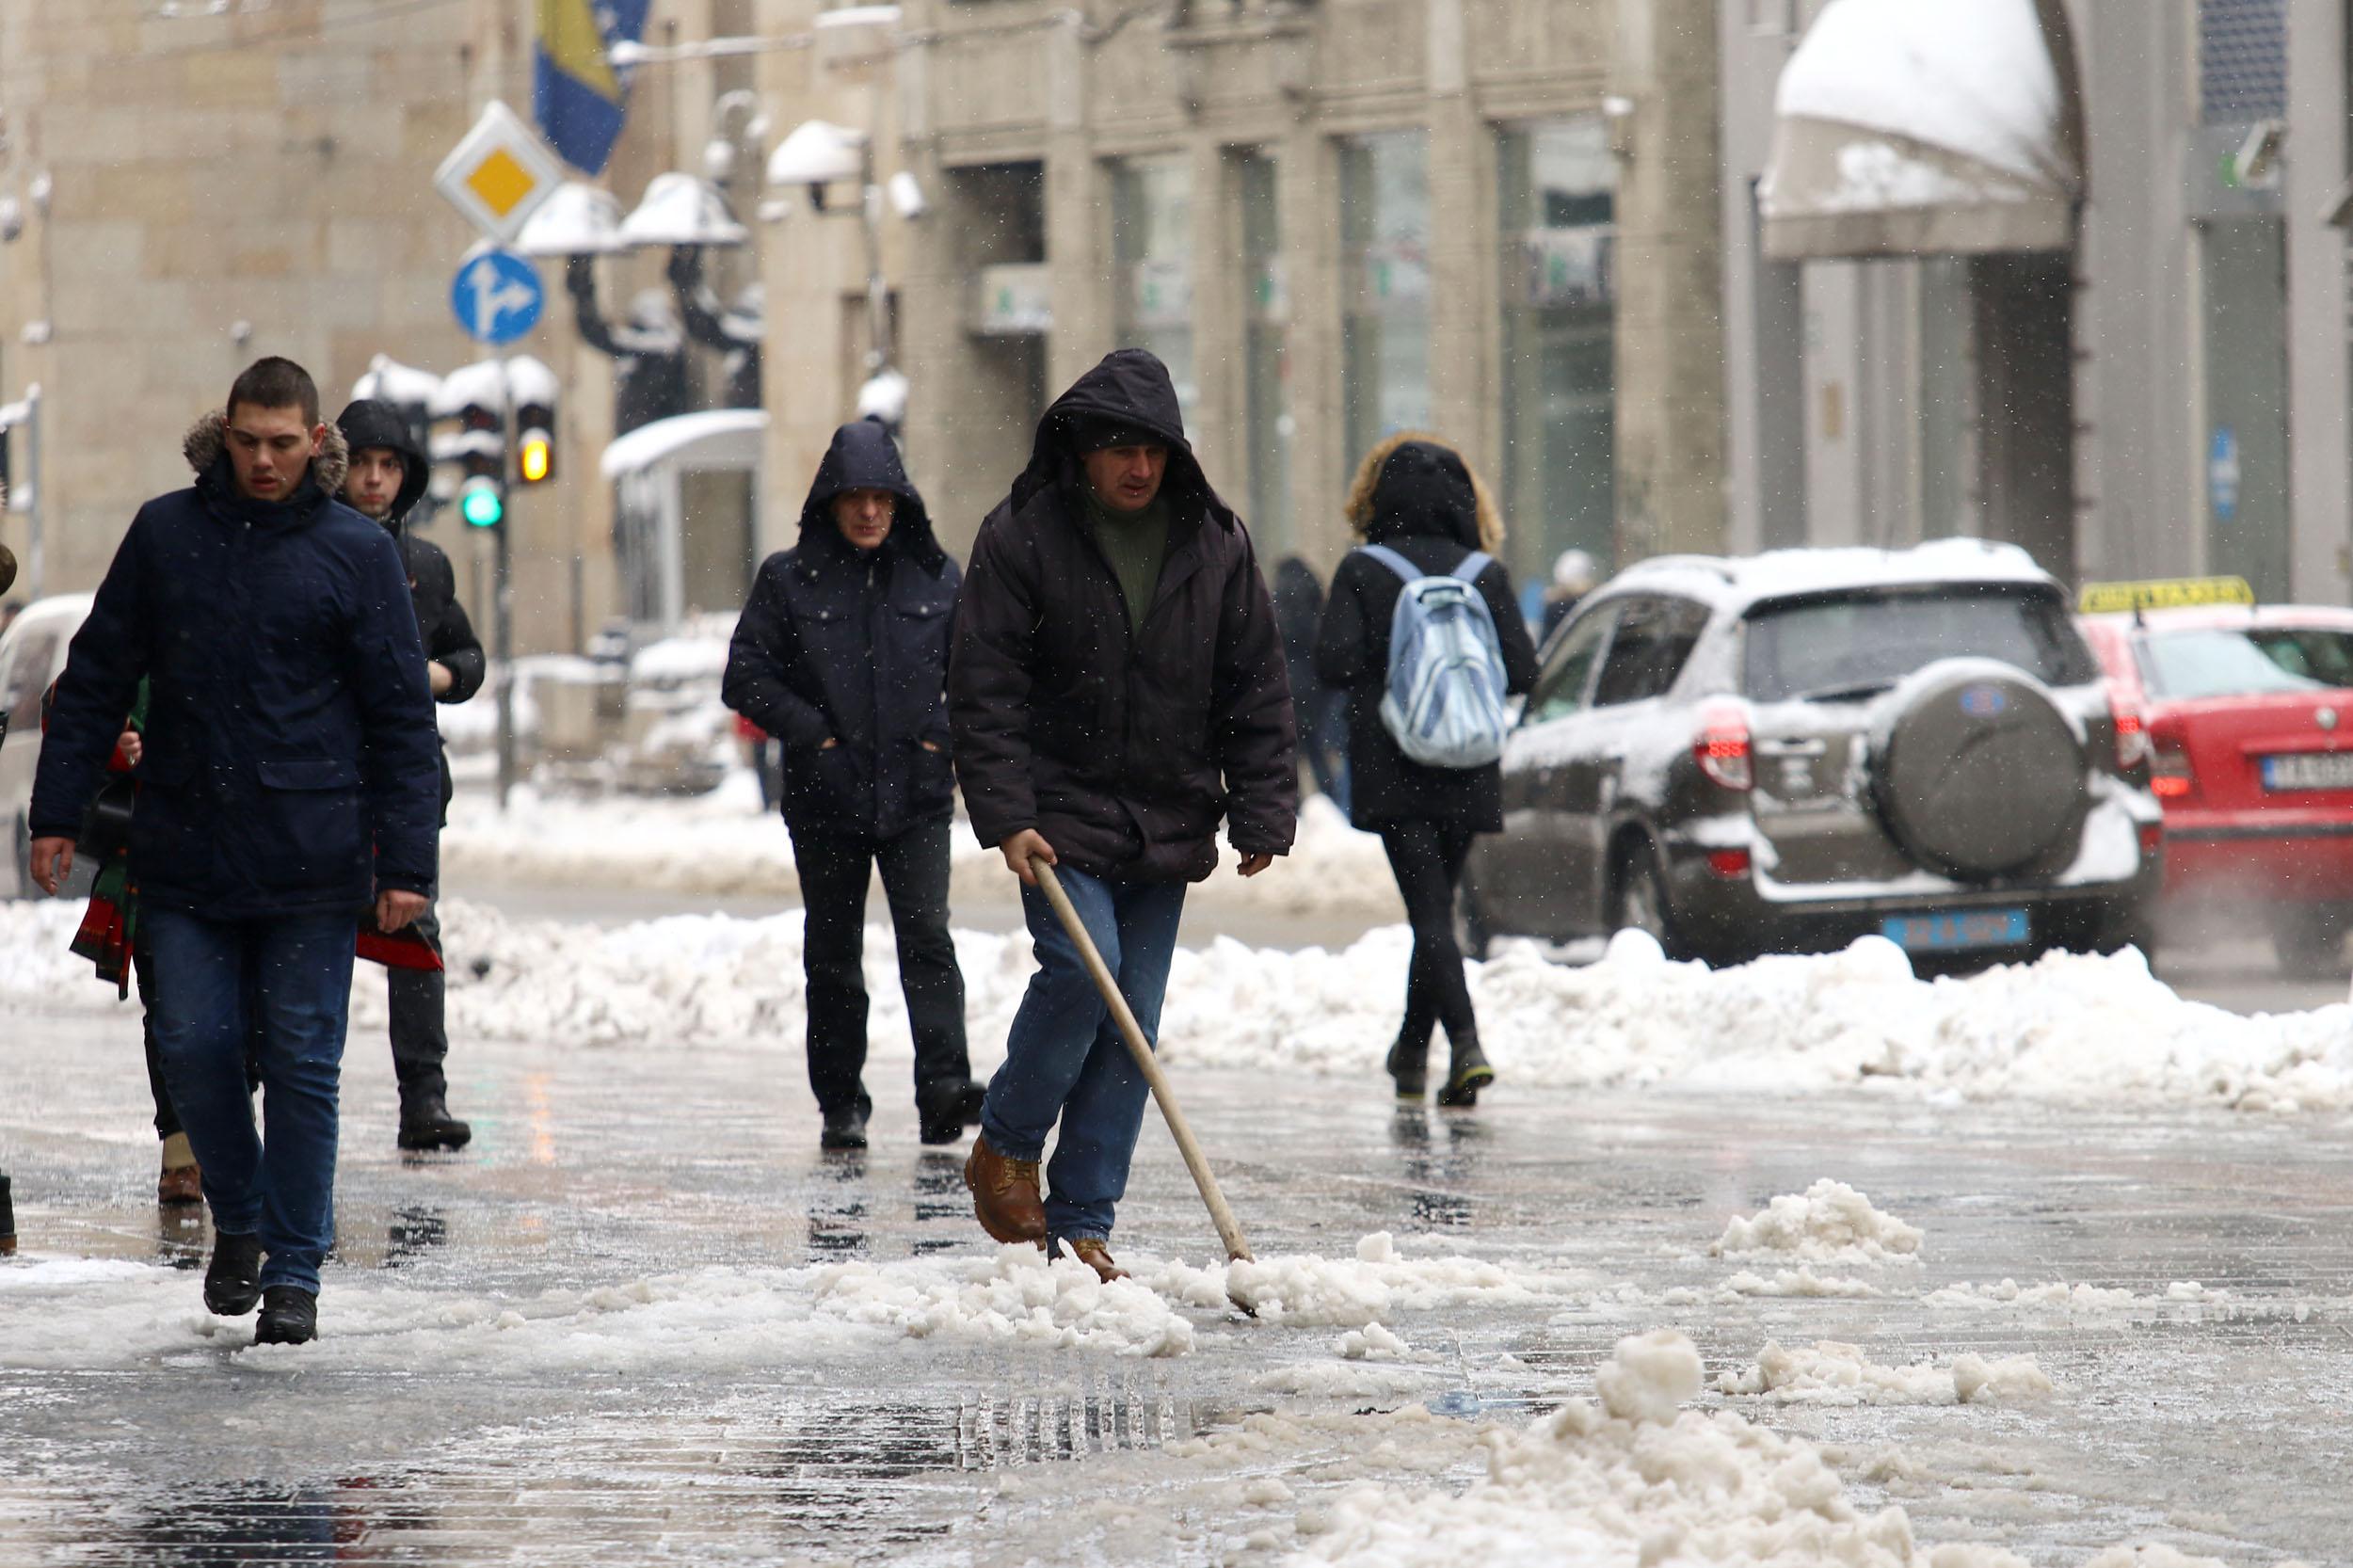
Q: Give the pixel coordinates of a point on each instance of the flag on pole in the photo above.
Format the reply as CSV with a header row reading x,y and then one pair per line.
x,y
577,95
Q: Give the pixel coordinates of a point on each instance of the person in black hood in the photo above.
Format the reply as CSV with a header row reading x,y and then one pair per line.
x,y
388,476
1414,495
841,655
1117,690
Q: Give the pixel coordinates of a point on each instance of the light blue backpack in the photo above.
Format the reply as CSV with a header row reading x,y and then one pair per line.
x,y
1444,706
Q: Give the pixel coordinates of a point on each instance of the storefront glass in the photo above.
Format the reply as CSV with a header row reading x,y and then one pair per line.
x,y
1152,258
1384,232
1558,243
1267,351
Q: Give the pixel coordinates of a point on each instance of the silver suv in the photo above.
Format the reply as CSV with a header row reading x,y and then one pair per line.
x,y
1783,753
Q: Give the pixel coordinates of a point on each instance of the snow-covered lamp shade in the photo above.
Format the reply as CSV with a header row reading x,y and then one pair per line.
x,y
818,153
578,220
1926,127
678,209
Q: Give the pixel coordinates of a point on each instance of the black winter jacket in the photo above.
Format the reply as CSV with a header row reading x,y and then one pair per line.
x,y
1425,509
1123,749
442,621
290,749
852,645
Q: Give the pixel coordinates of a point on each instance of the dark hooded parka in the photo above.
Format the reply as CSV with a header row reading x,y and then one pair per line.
x,y
851,646
1123,747
441,620
290,760
1423,506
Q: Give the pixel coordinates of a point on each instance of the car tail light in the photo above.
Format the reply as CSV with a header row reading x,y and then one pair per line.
x,y
1728,863
2170,773
1724,749
2131,738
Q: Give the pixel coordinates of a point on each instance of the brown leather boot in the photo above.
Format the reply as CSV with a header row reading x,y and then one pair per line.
x,y
1091,1251
180,1181
1004,1194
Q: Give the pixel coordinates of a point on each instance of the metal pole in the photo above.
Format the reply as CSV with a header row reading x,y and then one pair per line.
x,y
503,587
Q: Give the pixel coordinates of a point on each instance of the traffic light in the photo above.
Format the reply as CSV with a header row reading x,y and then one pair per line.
x,y
534,387
534,450
481,503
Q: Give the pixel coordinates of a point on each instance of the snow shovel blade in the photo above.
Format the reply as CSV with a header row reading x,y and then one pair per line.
x,y
1228,1228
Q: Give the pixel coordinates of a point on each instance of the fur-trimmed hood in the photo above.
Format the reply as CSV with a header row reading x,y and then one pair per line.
x,y
208,442
1441,467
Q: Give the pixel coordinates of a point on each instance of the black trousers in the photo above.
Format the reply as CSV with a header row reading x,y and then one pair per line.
x,y
416,999
835,867
1427,858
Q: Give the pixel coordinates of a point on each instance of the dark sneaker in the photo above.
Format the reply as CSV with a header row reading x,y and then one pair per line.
x,y
1469,1074
1410,1069
1004,1194
425,1124
844,1128
290,1316
233,1280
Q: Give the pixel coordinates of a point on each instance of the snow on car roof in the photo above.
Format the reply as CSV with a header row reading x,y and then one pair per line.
x,y
1781,573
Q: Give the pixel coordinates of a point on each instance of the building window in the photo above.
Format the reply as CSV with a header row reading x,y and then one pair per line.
x,y
1267,355
1559,241
1384,339
2242,60
1152,265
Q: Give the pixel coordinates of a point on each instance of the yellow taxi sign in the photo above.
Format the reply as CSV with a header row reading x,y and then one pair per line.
x,y
2174,593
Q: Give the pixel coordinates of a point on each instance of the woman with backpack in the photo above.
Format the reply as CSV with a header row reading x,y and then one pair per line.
x,y
1423,516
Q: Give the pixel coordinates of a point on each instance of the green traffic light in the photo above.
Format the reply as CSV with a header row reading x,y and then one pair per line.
x,y
482,507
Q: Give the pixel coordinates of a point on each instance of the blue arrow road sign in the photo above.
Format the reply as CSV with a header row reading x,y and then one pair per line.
x,y
497,296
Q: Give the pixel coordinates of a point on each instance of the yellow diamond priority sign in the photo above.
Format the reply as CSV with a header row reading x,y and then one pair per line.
x,y
499,174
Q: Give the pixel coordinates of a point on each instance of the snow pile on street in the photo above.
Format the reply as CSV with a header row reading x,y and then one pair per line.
x,y
724,843
1353,1293
2068,1028
1831,1371
1017,1298
87,1314
1831,1223
1629,1479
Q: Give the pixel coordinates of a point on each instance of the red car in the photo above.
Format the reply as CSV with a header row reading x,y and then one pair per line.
x,y
2247,716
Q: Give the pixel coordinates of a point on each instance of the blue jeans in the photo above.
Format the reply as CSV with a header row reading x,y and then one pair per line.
x,y
1065,1057
291,981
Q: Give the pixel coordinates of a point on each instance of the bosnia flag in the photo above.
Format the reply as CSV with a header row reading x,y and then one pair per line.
x,y
579,97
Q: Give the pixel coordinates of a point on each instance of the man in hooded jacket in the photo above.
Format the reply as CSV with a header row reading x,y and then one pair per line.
x,y
287,785
1116,690
389,474
841,655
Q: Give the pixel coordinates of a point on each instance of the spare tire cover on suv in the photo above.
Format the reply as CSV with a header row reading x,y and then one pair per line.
x,y
1974,768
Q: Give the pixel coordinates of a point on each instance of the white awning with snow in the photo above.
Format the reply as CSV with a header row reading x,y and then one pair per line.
x,y
714,439
1926,127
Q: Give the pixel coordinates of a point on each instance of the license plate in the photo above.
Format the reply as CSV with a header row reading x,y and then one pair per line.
x,y
2308,770
1968,928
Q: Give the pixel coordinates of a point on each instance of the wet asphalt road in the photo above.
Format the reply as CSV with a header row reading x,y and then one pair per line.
x,y
2228,1431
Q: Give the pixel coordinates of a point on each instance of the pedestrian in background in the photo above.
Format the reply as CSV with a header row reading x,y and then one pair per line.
x,y
1571,580
1414,495
388,477
287,784
1117,687
1319,710
843,656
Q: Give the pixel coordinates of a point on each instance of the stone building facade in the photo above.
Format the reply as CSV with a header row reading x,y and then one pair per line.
x,y
220,187
1492,219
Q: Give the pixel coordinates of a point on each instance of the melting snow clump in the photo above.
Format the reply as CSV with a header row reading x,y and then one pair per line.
x,y
1832,1372
1831,1223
